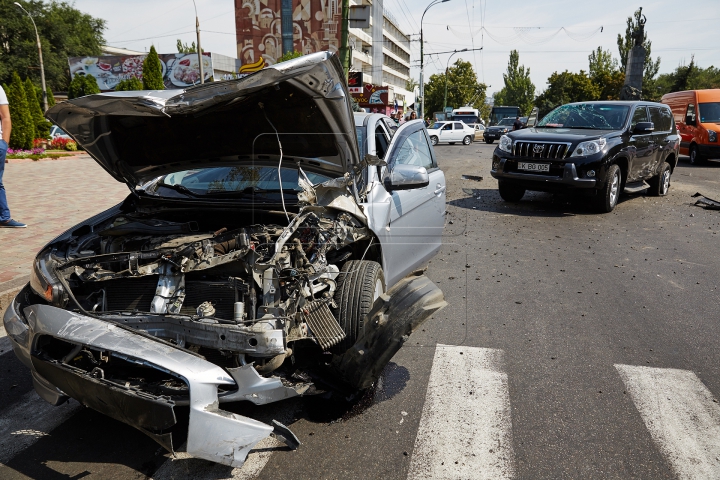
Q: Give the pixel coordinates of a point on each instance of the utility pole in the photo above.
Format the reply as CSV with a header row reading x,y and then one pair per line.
x,y
199,50
42,67
344,38
422,58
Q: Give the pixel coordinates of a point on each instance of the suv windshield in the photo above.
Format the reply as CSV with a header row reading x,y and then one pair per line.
x,y
238,179
506,121
710,112
599,116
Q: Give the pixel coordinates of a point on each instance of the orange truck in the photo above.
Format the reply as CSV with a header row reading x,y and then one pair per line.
x,y
697,115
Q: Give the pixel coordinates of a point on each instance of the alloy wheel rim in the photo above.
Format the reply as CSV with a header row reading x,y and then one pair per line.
x,y
665,182
614,190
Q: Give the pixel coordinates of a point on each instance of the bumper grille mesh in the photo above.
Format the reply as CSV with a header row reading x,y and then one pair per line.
x,y
541,149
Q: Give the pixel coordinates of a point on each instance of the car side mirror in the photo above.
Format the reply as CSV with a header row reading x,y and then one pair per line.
x,y
404,177
644,127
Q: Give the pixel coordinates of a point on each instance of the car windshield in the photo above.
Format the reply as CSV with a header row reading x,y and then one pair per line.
x,y
436,125
252,179
506,121
710,112
601,116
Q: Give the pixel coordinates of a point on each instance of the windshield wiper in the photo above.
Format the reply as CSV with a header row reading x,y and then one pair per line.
x,y
249,191
179,188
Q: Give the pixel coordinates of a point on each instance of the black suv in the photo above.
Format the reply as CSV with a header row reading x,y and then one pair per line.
x,y
599,148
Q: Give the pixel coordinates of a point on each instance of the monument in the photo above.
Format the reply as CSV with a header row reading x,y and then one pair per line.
x,y
632,88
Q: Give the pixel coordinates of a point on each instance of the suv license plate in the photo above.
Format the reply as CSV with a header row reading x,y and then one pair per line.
x,y
534,167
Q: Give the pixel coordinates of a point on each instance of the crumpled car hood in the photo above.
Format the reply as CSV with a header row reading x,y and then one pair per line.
x,y
137,136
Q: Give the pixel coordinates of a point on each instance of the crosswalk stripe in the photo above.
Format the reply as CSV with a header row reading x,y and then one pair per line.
x,y
29,419
465,429
681,415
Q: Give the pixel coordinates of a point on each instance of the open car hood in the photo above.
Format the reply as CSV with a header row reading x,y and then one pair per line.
x,y
140,135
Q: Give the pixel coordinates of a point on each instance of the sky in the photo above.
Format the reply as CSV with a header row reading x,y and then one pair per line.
x,y
552,35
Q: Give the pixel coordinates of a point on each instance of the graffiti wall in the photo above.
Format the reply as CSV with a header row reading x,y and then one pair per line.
x,y
258,26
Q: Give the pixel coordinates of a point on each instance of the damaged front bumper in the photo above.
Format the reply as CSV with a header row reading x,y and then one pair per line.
x,y
213,434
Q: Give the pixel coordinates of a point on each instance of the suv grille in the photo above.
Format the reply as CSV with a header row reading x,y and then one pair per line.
x,y
541,149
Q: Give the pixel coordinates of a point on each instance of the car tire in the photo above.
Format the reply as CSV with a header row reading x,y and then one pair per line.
x,y
510,192
695,157
359,284
607,197
434,140
660,184
489,141
467,140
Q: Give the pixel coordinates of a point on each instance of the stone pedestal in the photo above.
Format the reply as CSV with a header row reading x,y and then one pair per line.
x,y
632,88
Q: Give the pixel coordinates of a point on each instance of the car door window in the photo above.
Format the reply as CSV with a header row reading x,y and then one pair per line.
x,y
447,126
414,151
391,126
639,115
656,117
458,126
382,140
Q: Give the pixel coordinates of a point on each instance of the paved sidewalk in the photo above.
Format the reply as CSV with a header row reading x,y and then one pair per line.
x,y
50,196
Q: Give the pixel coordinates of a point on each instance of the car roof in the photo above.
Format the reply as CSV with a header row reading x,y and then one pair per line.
x,y
363,118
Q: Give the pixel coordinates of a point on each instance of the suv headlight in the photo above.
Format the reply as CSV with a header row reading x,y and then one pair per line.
x,y
505,144
712,136
43,280
589,148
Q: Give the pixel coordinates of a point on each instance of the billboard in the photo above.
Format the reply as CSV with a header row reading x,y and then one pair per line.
x,y
355,82
308,25
179,70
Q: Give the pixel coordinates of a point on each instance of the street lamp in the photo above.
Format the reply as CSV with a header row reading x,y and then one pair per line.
x,y
42,67
422,57
446,75
199,50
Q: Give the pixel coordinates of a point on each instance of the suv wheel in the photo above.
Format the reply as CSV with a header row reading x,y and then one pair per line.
x,y
434,140
510,192
467,140
695,158
489,141
360,283
607,197
660,184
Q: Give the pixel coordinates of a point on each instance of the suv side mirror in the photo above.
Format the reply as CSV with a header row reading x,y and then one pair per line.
x,y
644,127
404,177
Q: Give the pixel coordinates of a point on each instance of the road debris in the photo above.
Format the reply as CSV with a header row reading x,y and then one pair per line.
x,y
476,178
705,202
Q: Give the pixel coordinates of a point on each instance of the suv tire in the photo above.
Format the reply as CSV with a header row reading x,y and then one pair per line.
x,y
660,184
489,141
695,157
607,197
434,140
359,284
510,192
467,140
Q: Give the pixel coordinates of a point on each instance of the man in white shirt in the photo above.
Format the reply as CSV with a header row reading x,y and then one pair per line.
x,y
5,127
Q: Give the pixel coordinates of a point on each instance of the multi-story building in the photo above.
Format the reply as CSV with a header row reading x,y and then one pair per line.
x,y
265,29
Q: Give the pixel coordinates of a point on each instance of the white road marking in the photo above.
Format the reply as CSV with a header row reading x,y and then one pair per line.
x,y
184,466
682,416
29,419
465,429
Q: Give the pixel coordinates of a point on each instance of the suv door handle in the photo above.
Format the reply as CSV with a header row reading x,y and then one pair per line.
x,y
440,189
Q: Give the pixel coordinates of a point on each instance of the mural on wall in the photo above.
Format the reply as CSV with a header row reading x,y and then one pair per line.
x,y
258,26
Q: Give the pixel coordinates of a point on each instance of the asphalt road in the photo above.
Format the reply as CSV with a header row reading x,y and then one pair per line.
x,y
574,345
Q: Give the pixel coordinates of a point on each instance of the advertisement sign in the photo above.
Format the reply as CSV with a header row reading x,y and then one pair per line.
x,y
355,82
372,95
179,70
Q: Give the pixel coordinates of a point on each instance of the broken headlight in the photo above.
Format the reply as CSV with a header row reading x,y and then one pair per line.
x,y
43,280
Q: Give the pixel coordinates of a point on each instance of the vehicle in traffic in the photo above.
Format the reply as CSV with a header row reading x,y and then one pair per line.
x,y
496,131
467,115
479,130
57,132
697,116
500,112
599,148
252,260
451,132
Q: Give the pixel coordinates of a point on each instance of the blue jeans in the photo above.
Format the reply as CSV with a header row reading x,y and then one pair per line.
x,y
4,210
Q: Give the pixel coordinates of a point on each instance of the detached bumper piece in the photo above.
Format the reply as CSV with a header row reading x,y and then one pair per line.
x,y
213,434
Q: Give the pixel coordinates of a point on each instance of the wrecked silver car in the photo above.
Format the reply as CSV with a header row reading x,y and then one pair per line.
x,y
270,247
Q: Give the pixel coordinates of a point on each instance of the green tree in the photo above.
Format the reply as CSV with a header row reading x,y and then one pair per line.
x,y
50,97
23,127
411,84
82,85
463,88
129,84
605,73
152,71
91,86
289,56
185,48
42,126
518,90
64,32
688,77
566,87
626,43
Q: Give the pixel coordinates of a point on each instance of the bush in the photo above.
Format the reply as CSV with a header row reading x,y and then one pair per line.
x,y
130,84
42,126
23,127
82,85
152,71
60,143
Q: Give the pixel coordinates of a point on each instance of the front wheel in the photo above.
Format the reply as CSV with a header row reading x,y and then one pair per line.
x,y
434,140
660,184
467,140
607,197
510,192
695,158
